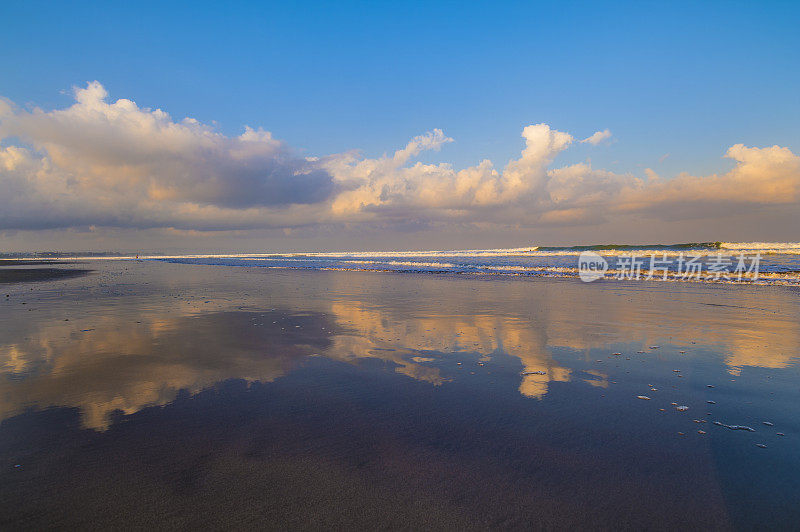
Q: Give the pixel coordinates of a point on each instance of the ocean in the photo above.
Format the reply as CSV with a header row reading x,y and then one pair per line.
x,y
777,263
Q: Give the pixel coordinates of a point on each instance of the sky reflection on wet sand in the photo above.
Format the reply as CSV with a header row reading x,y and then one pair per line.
x,y
400,397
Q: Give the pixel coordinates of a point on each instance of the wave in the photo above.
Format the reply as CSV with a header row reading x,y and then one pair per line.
x,y
765,248
781,270
764,278
779,263
632,247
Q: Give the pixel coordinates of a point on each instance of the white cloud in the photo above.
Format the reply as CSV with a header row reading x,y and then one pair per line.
x,y
118,150
114,164
384,188
598,137
761,177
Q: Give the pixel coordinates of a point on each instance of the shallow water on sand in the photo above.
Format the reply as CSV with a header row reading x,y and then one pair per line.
x,y
158,394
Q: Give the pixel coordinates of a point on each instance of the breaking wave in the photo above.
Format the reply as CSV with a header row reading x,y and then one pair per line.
x,y
781,269
779,261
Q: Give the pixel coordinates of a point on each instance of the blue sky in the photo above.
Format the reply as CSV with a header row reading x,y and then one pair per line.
x,y
685,79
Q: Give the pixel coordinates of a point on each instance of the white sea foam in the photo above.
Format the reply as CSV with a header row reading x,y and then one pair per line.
x,y
780,264
608,250
764,247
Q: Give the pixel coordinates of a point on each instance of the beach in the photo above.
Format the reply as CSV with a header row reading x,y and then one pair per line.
x,y
170,393
384,266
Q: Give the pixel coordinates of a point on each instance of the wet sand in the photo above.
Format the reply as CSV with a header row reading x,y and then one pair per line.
x,y
164,395
34,272
29,275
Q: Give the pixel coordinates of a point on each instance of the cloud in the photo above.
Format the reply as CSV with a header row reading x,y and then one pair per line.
x,y
125,160
761,178
114,164
384,188
529,192
598,137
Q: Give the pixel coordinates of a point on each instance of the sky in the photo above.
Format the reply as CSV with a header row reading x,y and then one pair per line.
x,y
244,126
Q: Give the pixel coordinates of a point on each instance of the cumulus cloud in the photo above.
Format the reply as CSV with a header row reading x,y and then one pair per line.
x,y
528,191
762,178
114,164
386,187
598,137
119,161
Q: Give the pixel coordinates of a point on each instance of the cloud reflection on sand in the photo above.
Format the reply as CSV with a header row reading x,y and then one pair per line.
x,y
124,366
127,354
